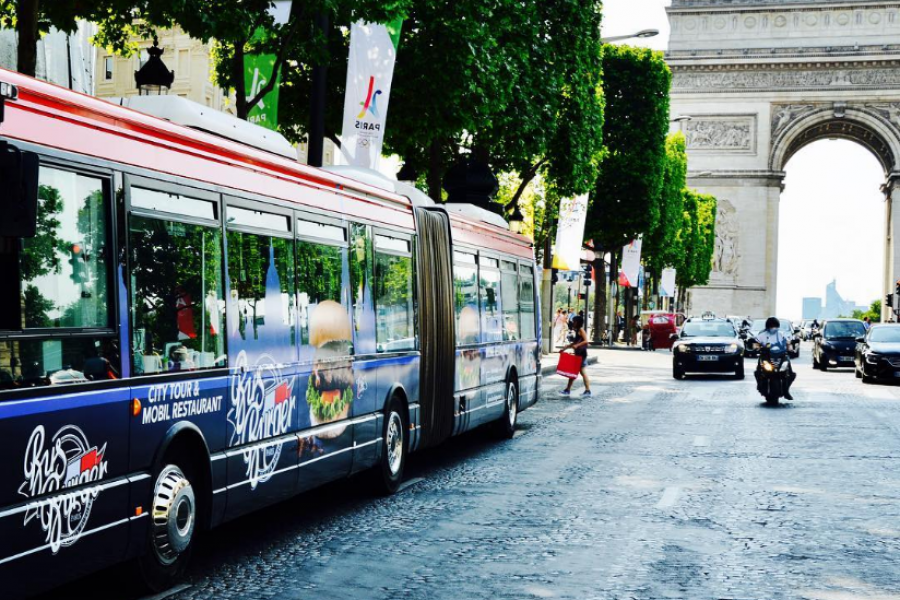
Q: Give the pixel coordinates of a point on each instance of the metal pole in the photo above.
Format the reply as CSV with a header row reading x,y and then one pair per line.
x,y
319,92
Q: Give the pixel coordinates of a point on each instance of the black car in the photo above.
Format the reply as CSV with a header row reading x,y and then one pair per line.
x,y
835,344
786,328
878,354
708,346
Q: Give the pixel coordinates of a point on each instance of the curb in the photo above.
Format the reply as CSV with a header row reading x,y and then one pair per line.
x,y
550,369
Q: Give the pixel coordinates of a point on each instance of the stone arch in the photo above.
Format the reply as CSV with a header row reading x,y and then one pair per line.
x,y
867,126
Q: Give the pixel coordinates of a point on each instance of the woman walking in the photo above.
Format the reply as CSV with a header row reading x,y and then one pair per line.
x,y
580,346
560,326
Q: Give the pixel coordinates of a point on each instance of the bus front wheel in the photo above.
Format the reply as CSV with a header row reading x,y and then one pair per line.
x,y
388,473
173,527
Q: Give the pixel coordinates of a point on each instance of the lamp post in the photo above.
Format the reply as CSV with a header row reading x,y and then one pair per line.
x,y
643,34
154,75
517,221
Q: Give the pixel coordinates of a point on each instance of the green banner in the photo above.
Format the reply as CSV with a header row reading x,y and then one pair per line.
x,y
258,70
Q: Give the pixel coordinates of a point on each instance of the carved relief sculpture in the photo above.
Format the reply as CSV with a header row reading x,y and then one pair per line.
x,y
726,257
783,115
719,134
888,110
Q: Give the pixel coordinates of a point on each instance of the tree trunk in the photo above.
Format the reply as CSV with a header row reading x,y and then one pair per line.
x,y
240,85
435,172
27,29
599,300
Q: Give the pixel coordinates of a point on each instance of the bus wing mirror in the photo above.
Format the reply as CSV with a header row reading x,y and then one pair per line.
x,y
18,192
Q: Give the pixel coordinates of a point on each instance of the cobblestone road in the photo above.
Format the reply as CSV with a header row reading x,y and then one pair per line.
x,y
653,488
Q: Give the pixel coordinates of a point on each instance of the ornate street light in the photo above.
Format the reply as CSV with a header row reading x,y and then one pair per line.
x,y
154,74
517,221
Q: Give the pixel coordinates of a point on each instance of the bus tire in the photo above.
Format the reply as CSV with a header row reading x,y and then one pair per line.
x,y
505,426
173,527
388,474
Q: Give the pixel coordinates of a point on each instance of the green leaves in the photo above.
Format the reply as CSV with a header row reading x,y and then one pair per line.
x,y
625,201
697,239
661,247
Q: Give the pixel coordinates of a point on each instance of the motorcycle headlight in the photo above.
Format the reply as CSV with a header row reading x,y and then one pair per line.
x,y
768,366
872,358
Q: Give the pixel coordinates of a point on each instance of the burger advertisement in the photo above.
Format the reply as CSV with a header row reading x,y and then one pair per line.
x,y
329,392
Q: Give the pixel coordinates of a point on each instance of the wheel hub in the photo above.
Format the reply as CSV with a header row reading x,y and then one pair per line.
x,y
174,514
512,405
394,443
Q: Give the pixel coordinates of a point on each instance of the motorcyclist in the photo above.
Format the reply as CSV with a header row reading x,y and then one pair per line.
x,y
777,343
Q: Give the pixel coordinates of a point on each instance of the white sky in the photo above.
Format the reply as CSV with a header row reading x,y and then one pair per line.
x,y
832,214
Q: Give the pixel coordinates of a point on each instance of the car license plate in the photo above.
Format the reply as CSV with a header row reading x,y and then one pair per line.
x,y
845,358
707,358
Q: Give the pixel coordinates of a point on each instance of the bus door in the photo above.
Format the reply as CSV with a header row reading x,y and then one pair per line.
x,y
264,392
64,491
328,345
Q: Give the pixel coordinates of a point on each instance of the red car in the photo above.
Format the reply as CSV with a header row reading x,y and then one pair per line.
x,y
660,325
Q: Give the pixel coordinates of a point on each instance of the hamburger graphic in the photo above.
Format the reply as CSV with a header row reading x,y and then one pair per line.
x,y
329,392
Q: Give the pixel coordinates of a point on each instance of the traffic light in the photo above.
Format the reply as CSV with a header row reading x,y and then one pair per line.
x,y
76,260
897,289
554,276
889,300
588,271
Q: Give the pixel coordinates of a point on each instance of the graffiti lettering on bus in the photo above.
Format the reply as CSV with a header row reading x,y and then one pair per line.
x,y
67,461
262,407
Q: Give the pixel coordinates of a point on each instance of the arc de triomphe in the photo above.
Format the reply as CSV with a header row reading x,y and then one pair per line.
x,y
762,79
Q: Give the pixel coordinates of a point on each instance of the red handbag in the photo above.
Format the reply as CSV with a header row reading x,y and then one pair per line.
x,y
569,365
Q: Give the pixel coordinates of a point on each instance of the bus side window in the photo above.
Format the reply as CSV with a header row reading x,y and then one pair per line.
x,y
526,302
489,289
324,307
394,295
509,291
177,291
261,311
64,282
465,286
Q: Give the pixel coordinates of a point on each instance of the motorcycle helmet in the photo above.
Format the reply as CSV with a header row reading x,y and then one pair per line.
x,y
772,323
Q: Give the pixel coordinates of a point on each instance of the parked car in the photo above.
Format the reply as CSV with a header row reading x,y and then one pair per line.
x,y
707,345
661,325
878,354
835,344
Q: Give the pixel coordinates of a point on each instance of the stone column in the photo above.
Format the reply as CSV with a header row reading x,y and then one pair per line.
x,y
745,268
891,191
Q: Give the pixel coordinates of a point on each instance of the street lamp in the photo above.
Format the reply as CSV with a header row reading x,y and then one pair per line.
x,y
682,119
516,221
644,33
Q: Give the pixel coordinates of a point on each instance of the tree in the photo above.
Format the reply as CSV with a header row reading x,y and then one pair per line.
x,y
243,28
874,312
696,241
625,201
660,250
33,18
553,123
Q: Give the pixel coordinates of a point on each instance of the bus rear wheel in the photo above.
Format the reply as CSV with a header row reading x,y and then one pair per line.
x,y
505,426
173,525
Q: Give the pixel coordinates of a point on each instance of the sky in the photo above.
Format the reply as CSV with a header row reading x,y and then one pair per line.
x,y
832,213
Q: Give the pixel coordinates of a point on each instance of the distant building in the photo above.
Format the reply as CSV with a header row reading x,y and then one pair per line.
x,y
835,305
64,59
812,308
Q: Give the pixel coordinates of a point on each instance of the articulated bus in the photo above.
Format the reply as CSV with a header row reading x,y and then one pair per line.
x,y
201,326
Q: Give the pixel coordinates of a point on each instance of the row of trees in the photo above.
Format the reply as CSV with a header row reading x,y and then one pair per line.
x,y
517,85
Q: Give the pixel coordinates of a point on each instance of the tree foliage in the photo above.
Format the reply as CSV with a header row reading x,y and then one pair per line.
x,y
696,240
660,247
625,201
874,312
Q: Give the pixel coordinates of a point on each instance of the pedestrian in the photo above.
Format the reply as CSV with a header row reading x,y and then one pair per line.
x,y
866,323
620,326
580,346
570,314
635,329
560,326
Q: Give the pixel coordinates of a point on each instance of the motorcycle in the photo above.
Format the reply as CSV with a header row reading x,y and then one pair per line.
x,y
773,374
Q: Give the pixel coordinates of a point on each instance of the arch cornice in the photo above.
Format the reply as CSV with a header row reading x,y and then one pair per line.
x,y
870,125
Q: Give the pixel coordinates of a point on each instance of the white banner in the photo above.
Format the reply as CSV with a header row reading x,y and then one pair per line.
x,y
667,283
570,233
631,264
370,71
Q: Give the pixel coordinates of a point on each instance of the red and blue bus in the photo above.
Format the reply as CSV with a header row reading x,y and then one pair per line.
x,y
199,328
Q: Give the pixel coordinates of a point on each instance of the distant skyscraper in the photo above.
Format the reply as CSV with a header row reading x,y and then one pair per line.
x,y
812,308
